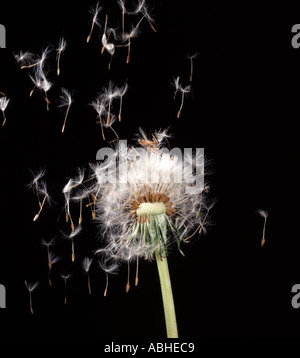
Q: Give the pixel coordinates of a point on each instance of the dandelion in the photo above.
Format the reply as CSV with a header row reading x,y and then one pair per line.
x,y
52,260
31,286
264,214
65,101
3,104
65,277
40,189
61,48
71,236
109,266
86,264
148,208
184,91
95,13
191,58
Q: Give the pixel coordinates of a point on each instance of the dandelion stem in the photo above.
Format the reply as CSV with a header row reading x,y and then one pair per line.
x,y
167,295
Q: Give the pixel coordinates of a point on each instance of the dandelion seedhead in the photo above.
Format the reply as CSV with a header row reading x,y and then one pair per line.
x,y
139,216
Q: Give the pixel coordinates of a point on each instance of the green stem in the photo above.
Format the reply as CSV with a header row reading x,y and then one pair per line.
x,y
167,295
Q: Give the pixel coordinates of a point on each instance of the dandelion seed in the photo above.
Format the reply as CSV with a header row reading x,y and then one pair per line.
x,y
99,107
66,101
86,264
264,214
128,37
123,10
41,82
81,192
109,266
48,244
176,85
71,236
109,93
3,104
191,58
184,91
24,58
40,189
65,277
61,48
79,197
67,193
52,260
142,8
31,286
33,60
95,12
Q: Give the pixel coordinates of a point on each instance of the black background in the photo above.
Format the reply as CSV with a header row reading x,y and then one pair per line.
x,y
243,109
